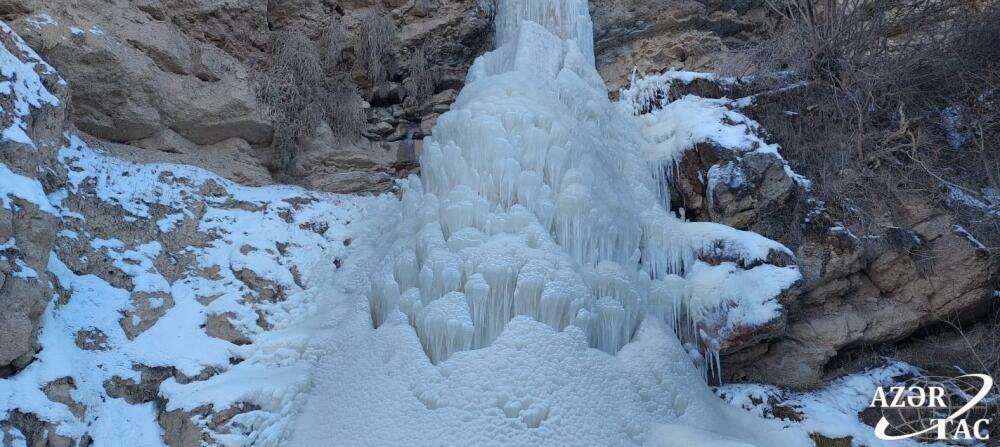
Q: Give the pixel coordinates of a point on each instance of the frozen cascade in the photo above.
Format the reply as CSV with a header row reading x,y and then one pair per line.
x,y
536,198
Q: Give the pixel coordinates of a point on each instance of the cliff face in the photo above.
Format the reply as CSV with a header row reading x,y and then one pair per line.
x,y
649,36
175,79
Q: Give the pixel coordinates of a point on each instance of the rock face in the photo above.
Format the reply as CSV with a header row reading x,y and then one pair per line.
x,y
928,273
34,105
136,74
449,35
651,36
176,76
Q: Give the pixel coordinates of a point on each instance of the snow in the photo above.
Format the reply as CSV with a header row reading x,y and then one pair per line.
x,y
832,411
677,126
25,188
961,231
24,271
532,386
273,370
40,20
22,84
989,204
644,91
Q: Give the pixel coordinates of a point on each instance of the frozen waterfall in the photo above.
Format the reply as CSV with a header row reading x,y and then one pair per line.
x,y
536,198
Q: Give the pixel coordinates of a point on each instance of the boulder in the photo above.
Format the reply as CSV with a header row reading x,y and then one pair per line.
x,y
134,73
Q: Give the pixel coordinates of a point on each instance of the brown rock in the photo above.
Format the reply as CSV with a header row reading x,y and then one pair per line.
x,y
220,326
135,74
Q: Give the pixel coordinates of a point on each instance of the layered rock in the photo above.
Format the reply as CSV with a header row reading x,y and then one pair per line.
x,y
177,76
929,273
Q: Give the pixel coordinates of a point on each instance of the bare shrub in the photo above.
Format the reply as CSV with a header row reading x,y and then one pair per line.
x,y
332,44
295,93
372,45
286,85
854,90
420,83
347,111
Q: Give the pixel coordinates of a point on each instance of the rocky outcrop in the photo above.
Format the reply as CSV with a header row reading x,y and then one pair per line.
x,y
651,36
34,104
448,35
924,273
136,75
177,76
856,291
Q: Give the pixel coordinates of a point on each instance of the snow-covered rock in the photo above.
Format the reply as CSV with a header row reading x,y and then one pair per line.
x,y
33,98
150,257
717,165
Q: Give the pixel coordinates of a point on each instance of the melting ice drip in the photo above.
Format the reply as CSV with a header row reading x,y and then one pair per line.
x,y
534,199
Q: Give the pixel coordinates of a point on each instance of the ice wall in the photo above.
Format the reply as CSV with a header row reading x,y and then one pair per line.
x,y
535,199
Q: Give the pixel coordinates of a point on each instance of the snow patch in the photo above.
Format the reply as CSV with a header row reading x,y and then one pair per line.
x,y
22,84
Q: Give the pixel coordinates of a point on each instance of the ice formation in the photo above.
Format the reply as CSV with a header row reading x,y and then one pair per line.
x,y
536,198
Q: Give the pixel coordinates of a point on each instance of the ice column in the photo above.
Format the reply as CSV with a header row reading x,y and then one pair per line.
x,y
534,199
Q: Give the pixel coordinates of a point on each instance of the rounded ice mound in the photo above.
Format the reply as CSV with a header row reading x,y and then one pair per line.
x,y
444,326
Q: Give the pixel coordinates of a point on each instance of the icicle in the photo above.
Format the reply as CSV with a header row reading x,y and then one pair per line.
x,y
383,298
445,327
539,197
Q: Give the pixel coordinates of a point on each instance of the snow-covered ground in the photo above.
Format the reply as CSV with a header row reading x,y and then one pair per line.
x,y
263,258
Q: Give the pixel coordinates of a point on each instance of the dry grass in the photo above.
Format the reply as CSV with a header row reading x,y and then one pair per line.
x,y
332,43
